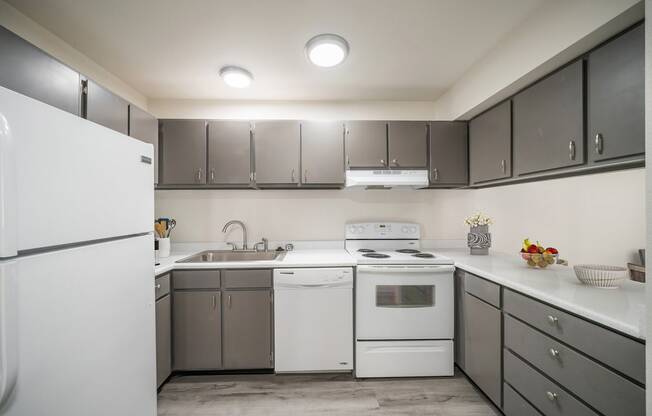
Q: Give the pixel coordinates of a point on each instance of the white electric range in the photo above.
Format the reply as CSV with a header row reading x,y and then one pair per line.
x,y
404,302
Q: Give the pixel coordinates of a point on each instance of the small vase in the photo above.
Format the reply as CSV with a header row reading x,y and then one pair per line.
x,y
479,240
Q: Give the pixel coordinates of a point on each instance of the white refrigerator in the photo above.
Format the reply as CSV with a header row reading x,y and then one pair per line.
x,y
77,324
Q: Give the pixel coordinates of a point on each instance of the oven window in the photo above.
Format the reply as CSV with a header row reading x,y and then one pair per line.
x,y
405,296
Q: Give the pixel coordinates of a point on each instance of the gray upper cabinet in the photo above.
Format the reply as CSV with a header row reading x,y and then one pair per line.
x,y
144,126
183,152
277,151
29,71
229,152
490,144
322,152
197,330
616,94
549,122
105,108
408,144
247,336
449,153
366,144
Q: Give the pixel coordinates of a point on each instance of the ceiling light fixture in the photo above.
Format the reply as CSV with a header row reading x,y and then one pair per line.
x,y
327,50
236,77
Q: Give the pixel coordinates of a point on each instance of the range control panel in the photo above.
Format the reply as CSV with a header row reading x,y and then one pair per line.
x,y
382,231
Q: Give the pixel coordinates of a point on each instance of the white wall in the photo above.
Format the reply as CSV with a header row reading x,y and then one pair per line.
x,y
28,29
594,218
554,34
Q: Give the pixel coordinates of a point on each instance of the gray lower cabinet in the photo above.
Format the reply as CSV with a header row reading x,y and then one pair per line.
x,y
277,152
449,153
616,98
163,339
490,144
322,152
366,144
26,69
144,126
247,336
460,317
229,152
105,108
515,405
483,346
183,152
408,144
197,328
549,122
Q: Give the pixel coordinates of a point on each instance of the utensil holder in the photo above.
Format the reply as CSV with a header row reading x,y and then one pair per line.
x,y
164,247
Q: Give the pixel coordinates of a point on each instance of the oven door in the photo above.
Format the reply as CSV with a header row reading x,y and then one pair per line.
x,y
404,302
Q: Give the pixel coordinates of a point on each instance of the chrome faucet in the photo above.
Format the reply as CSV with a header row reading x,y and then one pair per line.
x,y
244,233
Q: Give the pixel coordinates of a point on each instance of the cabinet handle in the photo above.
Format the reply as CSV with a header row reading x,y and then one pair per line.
x,y
382,162
251,176
571,149
293,175
214,302
348,161
551,396
229,301
198,175
503,166
435,174
553,320
158,285
395,162
212,175
599,145
554,353
305,176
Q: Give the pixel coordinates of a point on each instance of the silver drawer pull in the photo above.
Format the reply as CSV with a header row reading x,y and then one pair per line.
x,y
503,166
551,396
599,147
553,320
435,174
571,149
554,353
158,285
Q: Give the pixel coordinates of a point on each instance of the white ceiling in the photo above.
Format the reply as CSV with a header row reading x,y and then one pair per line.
x,y
406,50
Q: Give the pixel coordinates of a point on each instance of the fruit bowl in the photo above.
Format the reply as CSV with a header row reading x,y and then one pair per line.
x,y
541,260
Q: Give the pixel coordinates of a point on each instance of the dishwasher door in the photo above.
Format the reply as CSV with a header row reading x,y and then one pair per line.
x,y
313,320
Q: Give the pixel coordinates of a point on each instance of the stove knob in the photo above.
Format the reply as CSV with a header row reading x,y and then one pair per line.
x,y
404,230
413,229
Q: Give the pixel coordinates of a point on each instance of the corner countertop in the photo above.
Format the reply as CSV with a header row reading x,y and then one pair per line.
x,y
621,309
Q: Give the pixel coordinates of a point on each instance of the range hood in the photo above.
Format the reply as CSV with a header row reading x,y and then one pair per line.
x,y
387,179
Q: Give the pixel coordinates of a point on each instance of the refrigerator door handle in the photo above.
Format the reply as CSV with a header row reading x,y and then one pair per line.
x,y
8,330
8,191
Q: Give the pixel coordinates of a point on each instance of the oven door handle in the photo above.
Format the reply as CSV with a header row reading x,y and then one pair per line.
x,y
407,269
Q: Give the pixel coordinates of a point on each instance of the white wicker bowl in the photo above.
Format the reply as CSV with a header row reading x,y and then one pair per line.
x,y
600,276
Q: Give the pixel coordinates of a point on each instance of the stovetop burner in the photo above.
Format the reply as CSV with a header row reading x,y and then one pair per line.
x,y
407,251
376,255
366,250
424,255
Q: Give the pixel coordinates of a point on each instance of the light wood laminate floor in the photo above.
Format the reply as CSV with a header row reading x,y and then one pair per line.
x,y
337,395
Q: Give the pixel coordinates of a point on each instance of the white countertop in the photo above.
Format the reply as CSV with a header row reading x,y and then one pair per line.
x,y
622,309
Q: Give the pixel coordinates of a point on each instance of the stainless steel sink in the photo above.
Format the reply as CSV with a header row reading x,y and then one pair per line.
x,y
213,256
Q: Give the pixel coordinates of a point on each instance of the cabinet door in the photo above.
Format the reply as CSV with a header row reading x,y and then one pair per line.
x,y
483,346
29,71
163,339
277,152
322,152
490,141
549,122
247,329
105,108
616,95
460,328
183,148
197,330
449,153
366,144
229,152
144,126
408,144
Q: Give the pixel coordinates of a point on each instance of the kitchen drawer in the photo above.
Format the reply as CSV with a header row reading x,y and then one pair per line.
x,y
606,391
614,350
483,289
515,405
162,285
243,279
196,279
546,395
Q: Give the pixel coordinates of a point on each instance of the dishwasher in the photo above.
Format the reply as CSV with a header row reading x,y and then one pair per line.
x,y
313,320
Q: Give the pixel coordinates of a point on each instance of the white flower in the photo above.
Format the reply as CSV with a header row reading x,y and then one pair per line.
x,y
477,220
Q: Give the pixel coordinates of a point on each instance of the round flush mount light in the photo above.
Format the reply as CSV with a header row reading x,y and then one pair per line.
x,y
327,50
236,77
